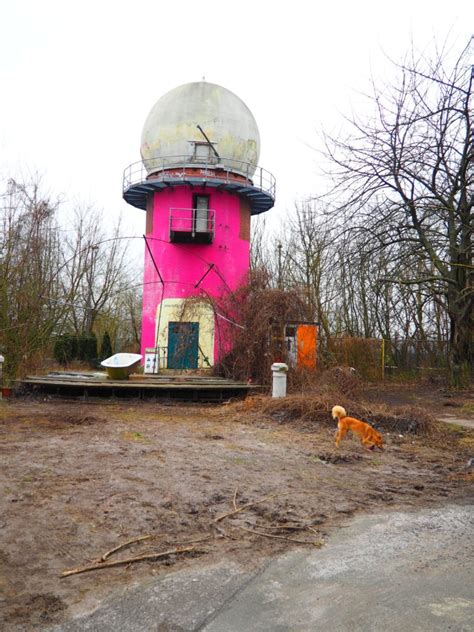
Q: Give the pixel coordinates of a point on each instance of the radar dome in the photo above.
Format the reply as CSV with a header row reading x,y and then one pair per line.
x,y
228,133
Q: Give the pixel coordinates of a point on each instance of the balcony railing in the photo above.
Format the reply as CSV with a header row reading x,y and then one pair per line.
x,y
191,225
184,167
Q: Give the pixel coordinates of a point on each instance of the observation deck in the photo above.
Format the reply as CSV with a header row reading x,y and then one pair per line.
x,y
155,174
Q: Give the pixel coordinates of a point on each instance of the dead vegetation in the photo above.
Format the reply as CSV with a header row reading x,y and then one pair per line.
x,y
260,311
315,410
312,408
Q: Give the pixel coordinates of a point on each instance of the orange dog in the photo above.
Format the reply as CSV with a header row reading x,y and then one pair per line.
x,y
369,437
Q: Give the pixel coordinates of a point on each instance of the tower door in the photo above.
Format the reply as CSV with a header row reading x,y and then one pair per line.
x,y
201,208
183,345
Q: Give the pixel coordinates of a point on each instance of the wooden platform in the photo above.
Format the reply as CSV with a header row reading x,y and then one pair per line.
x,y
190,387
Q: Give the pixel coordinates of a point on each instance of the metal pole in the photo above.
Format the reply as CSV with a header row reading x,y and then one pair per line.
x,y
211,265
279,266
209,142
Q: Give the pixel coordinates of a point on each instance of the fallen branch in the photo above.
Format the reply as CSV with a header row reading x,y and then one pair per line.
x,y
284,527
318,543
141,539
122,546
207,537
129,560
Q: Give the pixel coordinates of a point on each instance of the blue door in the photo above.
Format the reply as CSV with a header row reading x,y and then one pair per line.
x,y
183,345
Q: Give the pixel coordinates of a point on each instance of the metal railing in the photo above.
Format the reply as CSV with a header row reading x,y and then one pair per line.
x,y
162,354
227,169
192,220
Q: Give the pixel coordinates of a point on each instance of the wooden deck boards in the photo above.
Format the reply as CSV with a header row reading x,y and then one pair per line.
x,y
193,387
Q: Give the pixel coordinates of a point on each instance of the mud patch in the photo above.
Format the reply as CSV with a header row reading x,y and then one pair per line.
x,y
80,420
35,610
334,457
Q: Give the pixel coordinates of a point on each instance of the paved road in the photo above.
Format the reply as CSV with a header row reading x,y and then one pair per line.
x,y
457,420
389,572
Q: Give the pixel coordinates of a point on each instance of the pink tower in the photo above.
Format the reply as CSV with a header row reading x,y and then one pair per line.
x,y
199,184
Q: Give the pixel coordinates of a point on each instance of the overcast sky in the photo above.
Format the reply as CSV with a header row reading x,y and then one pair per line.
x,y
79,78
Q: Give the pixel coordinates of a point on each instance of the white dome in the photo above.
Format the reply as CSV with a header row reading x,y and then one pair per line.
x,y
170,131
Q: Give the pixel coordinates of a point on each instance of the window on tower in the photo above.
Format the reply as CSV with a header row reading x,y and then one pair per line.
x,y
203,153
201,213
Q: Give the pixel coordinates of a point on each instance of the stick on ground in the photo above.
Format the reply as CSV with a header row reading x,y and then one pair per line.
x,y
316,543
129,560
235,498
122,546
283,527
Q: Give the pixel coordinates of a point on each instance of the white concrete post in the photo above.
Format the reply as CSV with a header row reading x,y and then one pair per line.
x,y
279,370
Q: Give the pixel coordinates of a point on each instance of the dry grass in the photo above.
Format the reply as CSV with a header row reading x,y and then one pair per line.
x,y
309,409
314,409
341,382
404,420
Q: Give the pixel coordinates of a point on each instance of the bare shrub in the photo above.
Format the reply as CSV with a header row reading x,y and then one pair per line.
x,y
343,381
302,380
365,354
260,312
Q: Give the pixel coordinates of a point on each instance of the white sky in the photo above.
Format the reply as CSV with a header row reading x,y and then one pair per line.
x,y
79,78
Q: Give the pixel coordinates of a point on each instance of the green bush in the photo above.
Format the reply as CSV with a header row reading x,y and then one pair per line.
x,y
106,347
90,349
70,347
65,349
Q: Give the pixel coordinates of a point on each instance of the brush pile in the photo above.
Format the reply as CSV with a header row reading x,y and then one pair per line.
x,y
313,410
404,420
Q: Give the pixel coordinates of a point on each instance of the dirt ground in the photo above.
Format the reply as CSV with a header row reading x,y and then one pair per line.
x,y
80,478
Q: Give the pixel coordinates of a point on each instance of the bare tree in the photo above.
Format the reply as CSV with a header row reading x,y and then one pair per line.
x,y
309,262
56,279
121,318
263,262
94,269
407,178
30,305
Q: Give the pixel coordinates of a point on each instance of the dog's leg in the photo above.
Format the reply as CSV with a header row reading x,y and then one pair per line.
x,y
368,443
340,434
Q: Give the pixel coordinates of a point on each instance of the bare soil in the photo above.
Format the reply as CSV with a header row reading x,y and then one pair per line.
x,y
80,478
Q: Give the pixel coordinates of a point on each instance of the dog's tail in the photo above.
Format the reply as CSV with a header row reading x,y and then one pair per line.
x,y
338,412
